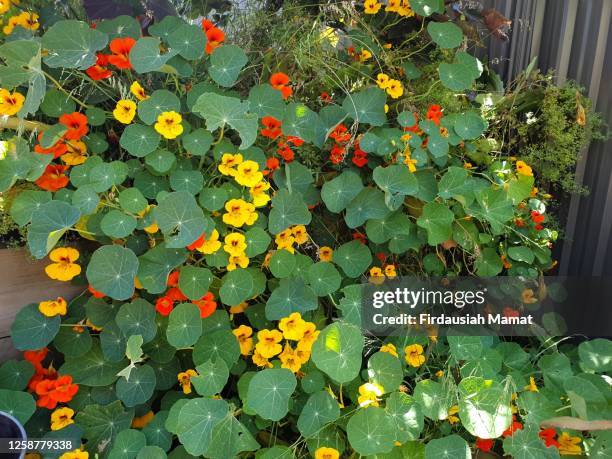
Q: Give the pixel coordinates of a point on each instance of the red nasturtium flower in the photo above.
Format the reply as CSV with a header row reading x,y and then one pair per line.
x,y
121,48
95,293
57,149
272,127
36,358
53,178
294,140
164,305
415,127
214,36
358,236
99,70
272,163
360,157
175,294
280,82
513,427
484,445
286,153
52,392
173,279
434,113
537,217
340,134
336,154
76,123
199,242
325,97
207,305
548,435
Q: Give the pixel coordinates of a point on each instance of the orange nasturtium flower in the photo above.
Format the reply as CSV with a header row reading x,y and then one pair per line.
x,y
121,48
76,123
51,392
53,308
414,355
10,103
184,379
64,267
326,253
61,418
523,169
53,178
140,422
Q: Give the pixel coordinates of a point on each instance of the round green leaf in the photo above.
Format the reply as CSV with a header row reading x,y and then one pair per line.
x,y
353,257
86,199
112,270
127,444
484,407
320,409
236,287
196,421
340,191
137,318
225,65
385,370
197,142
72,343
161,161
367,106
257,241
457,77
323,278
138,387
72,44
213,376
451,447
139,140
184,325
31,330
145,56
264,100
337,351
15,374
189,40
20,405
445,34
288,209
158,102
269,393
437,220
291,295
406,414
282,263
194,281
214,198
49,223
371,431
132,200
521,253
189,181
470,125
180,219
117,224
92,368
220,344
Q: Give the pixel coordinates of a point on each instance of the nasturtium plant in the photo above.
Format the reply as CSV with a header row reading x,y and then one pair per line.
x,y
221,210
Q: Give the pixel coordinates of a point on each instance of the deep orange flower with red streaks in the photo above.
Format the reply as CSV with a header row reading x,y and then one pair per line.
x,y
358,236
434,113
294,140
215,37
340,134
325,97
173,279
175,294
207,25
52,392
286,91
537,217
54,178
548,435
199,242
360,158
415,127
76,123
279,79
36,358
95,293
57,149
286,153
98,71
207,305
513,427
272,127
41,375
484,445
121,48
164,305
272,163
336,154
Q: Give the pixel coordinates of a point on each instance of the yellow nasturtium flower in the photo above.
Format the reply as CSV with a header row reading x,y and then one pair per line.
x,y
451,415
414,355
260,360
52,308
63,267
309,336
10,103
389,348
325,452
169,125
138,91
523,169
229,162
61,418
75,454
268,343
568,445
394,89
184,379
125,111
289,359
532,387
244,335
259,195
248,174
239,213
293,327
371,6
237,260
211,244
299,234
382,80
326,253
369,394
235,244
285,240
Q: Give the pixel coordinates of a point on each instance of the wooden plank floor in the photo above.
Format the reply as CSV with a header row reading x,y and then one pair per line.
x,y
23,281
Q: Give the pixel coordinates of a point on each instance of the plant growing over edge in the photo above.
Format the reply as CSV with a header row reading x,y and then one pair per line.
x,y
221,306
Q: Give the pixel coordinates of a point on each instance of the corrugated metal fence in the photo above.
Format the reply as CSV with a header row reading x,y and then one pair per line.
x,y
572,37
